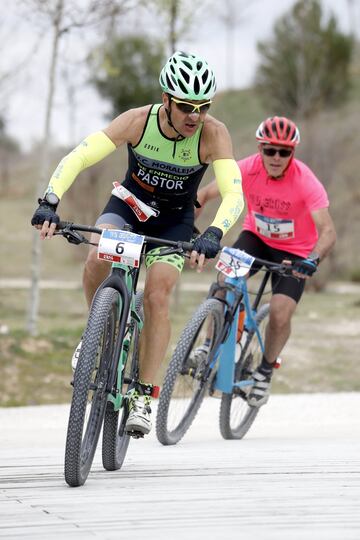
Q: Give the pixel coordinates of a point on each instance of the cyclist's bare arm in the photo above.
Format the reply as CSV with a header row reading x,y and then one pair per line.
x,y
326,238
127,127
326,232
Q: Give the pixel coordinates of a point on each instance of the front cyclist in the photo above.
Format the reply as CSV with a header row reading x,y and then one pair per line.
x,y
287,219
169,146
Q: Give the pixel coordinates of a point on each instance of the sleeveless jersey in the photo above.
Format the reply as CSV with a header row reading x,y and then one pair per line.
x,y
164,173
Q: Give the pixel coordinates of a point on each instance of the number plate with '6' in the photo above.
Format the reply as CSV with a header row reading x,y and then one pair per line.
x,y
121,247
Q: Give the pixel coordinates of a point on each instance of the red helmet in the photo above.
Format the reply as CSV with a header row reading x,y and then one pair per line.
x,y
278,130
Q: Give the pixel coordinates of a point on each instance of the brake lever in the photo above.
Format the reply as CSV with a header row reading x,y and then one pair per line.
x,y
73,237
286,269
166,251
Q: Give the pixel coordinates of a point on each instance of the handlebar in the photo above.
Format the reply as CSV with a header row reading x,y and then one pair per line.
x,y
237,259
279,268
71,232
69,225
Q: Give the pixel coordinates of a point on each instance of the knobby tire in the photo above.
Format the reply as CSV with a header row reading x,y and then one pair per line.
x,y
90,386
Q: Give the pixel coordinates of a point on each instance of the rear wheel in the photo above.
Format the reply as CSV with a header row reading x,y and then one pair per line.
x,y
115,440
236,416
187,376
90,392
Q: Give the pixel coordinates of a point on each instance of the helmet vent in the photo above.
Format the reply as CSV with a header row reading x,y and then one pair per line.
x,y
199,65
185,75
208,88
187,64
196,85
169,82
182,86
205,76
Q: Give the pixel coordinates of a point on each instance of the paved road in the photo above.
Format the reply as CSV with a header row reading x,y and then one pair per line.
x,y
296,476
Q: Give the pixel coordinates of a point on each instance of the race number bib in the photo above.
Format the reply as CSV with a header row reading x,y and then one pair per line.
x,y
140,209
279,229
120,246
234,262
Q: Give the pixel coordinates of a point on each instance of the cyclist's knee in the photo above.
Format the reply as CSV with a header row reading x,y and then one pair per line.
x,y
94,266
160,282
281,311
156,301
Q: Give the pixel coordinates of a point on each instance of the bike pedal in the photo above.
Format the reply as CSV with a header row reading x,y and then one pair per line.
x,y
135,434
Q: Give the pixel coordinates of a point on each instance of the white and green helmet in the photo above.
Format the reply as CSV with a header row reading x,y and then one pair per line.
x,y
188,76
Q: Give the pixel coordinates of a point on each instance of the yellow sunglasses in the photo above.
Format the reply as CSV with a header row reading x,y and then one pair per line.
x,y
187,107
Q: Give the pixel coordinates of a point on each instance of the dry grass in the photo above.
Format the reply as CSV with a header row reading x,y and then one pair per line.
x,y
322,354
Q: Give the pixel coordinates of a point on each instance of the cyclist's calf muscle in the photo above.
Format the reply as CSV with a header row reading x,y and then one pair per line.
x,y
160,281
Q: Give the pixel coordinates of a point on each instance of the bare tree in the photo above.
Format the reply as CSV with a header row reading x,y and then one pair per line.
x,y
179,17
62,16
9,152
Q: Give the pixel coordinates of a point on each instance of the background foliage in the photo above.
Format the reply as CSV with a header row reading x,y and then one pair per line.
x,y
127,72
305,66
309,69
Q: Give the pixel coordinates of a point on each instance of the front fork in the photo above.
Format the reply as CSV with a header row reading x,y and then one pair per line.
x,y
225,376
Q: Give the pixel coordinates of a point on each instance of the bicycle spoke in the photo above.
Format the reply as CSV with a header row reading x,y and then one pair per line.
x,y
185,382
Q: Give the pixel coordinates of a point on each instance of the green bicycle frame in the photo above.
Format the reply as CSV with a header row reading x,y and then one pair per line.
x,y
129,279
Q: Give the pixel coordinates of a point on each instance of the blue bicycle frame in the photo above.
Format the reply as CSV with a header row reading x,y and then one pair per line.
x,y
224,379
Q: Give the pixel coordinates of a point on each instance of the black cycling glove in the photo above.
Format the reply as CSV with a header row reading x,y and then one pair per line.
x,y
208,243
45,212
307,267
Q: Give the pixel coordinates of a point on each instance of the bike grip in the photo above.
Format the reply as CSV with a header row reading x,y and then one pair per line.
x,y
63,225
187,246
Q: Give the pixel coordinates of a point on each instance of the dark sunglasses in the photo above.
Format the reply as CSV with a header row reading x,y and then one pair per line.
x,y
283,152
188,108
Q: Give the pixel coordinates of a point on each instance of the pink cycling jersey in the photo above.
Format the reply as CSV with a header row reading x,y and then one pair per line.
x,y
279,210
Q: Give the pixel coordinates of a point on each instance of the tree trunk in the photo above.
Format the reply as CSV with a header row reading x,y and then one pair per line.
x,y
173,19
43,177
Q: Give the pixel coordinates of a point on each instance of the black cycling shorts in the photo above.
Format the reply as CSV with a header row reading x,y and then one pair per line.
x,y
169,224
288,285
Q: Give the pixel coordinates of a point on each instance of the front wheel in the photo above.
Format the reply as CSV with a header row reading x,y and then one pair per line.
x,y
90,386
236,416
188,373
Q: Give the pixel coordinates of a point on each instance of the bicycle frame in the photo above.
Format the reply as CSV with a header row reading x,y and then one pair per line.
x,y
237,290
123,278
126,287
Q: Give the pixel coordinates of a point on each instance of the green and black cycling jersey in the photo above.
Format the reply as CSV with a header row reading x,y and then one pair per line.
x,y
162,171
